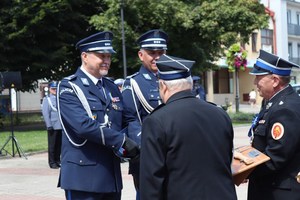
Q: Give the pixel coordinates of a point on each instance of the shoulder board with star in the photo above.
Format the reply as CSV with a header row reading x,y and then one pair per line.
x,y
109,79
132,75
72,77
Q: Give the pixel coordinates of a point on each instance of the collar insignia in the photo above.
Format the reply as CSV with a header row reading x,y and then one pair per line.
x,y
85,81
147,76
269,105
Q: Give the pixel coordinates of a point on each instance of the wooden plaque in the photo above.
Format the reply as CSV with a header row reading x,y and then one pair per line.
x,y
251,156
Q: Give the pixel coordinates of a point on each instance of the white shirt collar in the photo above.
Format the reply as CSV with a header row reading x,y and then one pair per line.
x,y
93,78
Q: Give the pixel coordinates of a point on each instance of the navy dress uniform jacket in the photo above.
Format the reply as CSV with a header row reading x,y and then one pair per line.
x,y
187,151
91,166
148,84
275,180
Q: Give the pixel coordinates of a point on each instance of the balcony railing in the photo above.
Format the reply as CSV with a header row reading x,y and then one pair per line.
x,y
293,29
295,60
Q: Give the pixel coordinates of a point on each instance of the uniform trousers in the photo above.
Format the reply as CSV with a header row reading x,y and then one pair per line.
x,y
81,195
54,146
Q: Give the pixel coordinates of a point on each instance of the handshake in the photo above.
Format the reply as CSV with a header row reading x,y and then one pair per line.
x,y
129,149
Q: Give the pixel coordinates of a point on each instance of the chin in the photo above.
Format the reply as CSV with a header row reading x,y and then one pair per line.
x,y
103,72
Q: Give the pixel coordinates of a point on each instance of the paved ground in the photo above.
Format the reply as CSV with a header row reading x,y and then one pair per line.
x,y
32,179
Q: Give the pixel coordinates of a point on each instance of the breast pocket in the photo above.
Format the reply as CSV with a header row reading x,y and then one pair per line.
x,y
260,137
154,95
261,130
97,109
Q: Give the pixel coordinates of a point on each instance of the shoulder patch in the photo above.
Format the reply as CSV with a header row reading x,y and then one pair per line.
x,y
277,131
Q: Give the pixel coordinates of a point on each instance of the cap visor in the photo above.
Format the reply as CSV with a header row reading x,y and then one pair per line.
x,y
258,71
106,51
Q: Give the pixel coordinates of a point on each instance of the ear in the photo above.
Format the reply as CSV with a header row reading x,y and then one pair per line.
x,y
83,56
276,80
140,54
163,90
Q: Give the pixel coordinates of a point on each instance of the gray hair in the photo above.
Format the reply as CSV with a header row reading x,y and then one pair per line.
x,y
180,84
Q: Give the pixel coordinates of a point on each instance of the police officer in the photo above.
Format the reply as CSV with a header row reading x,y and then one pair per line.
x,y
276,131
119,82
140,90
184,155
198,89
50,114
90,108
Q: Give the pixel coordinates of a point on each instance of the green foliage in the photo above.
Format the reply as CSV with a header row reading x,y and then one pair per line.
x,y
241,117
29,141
199,30
38,37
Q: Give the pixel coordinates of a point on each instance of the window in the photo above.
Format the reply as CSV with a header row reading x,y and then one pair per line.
x,y
290,50
266,37
298,18
222,81
254,42
289,19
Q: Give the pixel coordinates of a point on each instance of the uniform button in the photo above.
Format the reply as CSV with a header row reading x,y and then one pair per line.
x,y
113,146
107,109
80,161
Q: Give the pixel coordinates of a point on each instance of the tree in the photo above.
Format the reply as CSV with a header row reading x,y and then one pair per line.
x,y
199,30
37,37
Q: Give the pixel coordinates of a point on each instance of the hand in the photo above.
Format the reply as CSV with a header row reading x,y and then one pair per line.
x,y
131,149
50,128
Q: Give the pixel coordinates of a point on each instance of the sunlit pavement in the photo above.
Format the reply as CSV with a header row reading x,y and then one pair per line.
x,y
32,179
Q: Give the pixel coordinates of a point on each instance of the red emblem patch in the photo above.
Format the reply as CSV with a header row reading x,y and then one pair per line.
x,y
277,131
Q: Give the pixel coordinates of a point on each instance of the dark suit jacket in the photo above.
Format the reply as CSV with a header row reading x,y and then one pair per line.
x,y
187,151
275,180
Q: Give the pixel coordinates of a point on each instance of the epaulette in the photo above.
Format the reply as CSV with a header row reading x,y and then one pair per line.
x,y
109,79
71,77
132,75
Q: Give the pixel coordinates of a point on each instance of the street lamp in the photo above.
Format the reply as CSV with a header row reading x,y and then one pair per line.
x,y
123,40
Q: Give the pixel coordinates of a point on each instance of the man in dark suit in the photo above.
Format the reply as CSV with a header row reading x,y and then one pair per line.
x,y
276,131
140,90
90,109
186,143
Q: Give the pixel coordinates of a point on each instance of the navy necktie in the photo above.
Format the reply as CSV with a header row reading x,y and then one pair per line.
x,y
101,89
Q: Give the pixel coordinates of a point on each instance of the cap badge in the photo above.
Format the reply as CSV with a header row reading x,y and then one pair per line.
x,y
106,36
156,34
277,131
